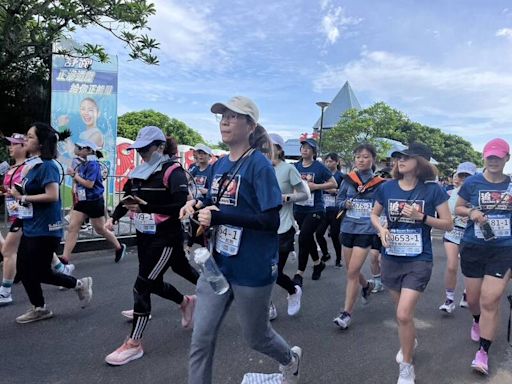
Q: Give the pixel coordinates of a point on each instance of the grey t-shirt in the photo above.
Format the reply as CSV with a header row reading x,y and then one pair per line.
x,y
288,177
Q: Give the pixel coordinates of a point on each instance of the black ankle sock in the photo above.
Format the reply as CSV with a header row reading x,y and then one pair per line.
x,y
477,318
485,344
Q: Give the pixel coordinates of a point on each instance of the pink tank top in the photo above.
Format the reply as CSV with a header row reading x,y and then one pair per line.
x,y
13,176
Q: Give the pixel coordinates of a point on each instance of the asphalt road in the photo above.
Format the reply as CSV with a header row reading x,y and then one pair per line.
x,y
70,348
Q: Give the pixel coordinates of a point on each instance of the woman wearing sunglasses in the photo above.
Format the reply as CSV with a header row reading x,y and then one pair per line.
x,y
88,199
413,204
243,206
153,195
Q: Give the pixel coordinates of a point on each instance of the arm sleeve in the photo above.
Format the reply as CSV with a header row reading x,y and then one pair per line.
x,y
299,193
264,221
120,210
342,194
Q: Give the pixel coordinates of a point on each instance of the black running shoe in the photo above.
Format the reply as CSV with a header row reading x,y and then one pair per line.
x,y
366,291
120,253
326,257
297,280
317,271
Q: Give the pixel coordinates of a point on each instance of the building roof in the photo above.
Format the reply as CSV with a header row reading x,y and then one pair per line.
x,y
343,101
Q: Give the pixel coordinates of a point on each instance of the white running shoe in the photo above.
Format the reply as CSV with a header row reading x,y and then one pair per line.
x,y
448,306
343,320
463,301
85,291
68,269
291,372
129,314
272,312
407,375
400,357
5,297
294,301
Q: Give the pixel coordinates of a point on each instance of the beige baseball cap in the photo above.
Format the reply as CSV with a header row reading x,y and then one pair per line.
x,y
238,104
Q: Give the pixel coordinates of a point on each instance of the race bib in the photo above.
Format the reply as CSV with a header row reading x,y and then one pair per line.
x,y
329,200
455,235
15,209
500,225
145,223
228,240
80,193
405,242
360,208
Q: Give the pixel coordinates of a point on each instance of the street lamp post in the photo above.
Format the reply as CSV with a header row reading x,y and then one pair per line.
x,y
322,105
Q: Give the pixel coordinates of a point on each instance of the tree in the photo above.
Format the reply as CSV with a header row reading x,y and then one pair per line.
x,y
30,28
380,120
130,124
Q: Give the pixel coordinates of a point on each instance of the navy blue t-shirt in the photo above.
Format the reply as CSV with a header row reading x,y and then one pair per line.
x,y
330,199
91,171
202,178
483,194
412,238
46,220
253,190
318,174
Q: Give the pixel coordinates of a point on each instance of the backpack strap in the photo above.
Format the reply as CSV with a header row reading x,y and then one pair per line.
x,y
353,179
168,173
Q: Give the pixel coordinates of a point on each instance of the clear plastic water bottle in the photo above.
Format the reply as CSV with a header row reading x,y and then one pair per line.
x,y
211,271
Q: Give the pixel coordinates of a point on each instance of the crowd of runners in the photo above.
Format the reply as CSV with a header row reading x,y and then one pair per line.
x,y
250,209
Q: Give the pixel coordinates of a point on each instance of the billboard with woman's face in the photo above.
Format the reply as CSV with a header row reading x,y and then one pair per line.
x,y
84,100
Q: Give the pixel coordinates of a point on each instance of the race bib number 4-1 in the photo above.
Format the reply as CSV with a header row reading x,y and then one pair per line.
x,y
500,225
360,208
228,240
145,223
405,242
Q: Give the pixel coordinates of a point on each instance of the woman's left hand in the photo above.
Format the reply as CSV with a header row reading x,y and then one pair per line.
x,y
205,215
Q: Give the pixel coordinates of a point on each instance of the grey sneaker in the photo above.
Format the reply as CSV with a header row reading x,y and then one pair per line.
x,y
343,320
291,372
366,291
85,291
34,314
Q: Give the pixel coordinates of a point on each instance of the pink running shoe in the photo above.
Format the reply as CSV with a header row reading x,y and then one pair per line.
x,y
125,353
187,311
480,363
475,332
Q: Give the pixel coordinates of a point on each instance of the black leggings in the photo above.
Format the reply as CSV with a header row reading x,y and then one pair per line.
x,y
156,254
308,222
334,231
34,266
286,242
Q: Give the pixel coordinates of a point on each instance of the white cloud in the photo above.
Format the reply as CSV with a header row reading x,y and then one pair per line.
x,y
504,32
334,22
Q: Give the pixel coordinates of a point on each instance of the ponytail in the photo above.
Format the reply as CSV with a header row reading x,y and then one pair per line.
x,y
48,138
259,139
171,146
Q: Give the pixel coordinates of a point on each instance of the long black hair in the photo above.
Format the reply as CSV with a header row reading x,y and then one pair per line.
x,y
48,138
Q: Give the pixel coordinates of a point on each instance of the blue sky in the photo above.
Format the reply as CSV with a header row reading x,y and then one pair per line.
x,y
447,64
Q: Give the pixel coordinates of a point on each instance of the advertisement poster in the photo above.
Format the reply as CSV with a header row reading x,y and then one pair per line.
x,y
84,100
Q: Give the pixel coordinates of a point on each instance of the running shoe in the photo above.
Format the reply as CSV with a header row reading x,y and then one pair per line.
x,y
294,301
481,362
475,332
366,291
338,265
272,312
129,314
399,358
378,287
84,292
127,352
326,257
463,300
34,314
291,372
406,375
187,311
343,320
317,271
120,253
85,227
297,280
448,306
5,297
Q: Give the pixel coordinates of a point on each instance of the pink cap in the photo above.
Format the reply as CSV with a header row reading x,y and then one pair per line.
x,y
496,147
